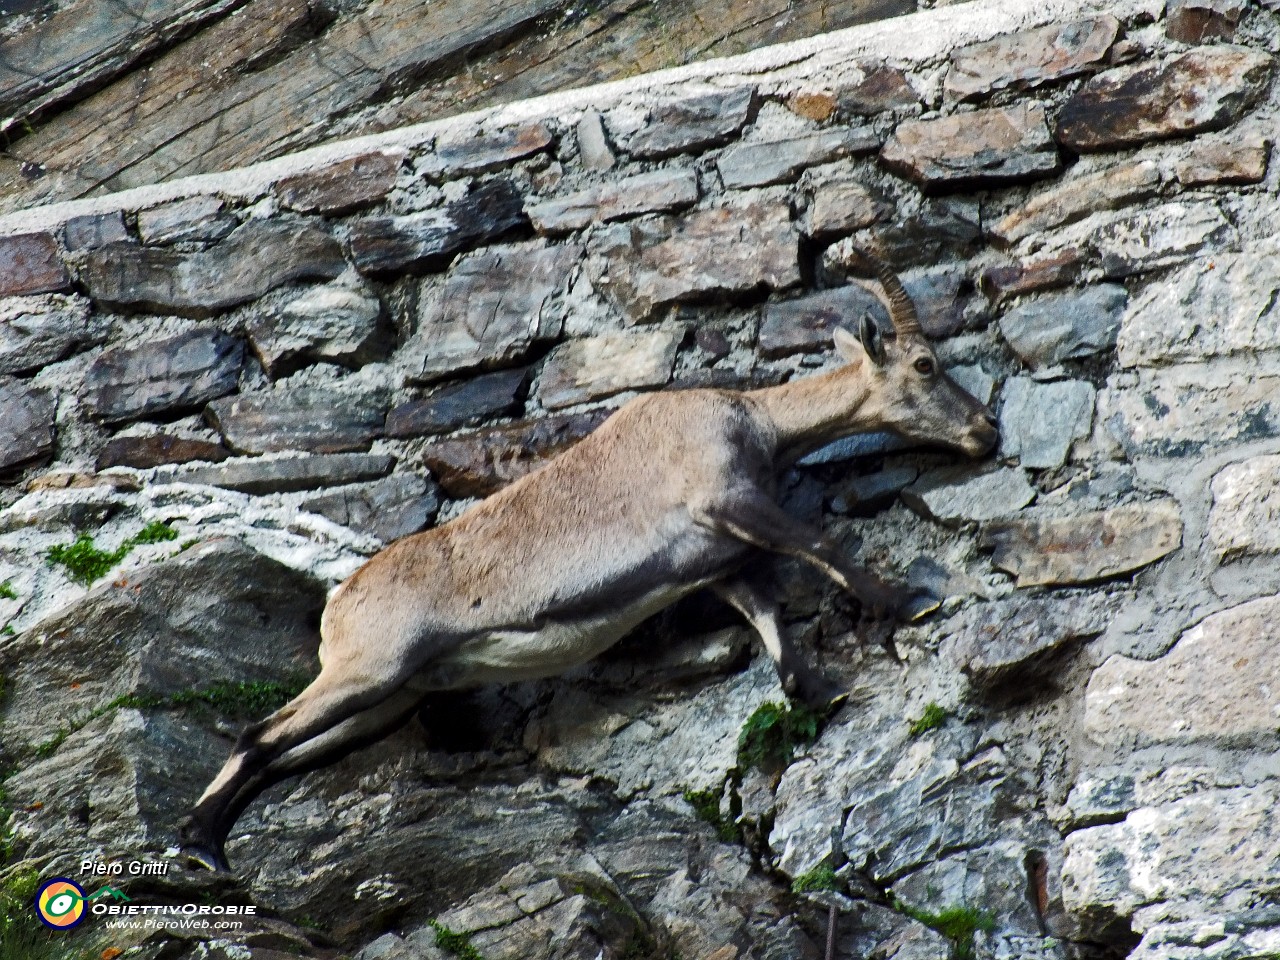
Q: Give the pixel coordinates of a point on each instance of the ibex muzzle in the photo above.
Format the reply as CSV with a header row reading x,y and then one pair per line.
x,y
672,493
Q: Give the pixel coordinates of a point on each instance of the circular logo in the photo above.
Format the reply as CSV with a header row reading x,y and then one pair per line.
x,y
60,903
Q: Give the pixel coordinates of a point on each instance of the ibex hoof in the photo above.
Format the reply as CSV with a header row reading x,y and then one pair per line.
x,y
918,606
823,696
207,858
199,850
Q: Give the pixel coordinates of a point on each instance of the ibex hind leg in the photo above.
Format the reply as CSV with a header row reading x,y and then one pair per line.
x,y
333,697
365,728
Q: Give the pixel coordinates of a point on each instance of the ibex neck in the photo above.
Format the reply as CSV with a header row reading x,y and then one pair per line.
x,y
812,411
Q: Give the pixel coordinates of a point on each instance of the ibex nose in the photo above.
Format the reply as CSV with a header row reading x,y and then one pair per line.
x,y
991,419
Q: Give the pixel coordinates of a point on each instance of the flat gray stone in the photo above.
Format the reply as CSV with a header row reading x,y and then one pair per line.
x,y
1069,326
705,255
1236,161
873,491
1100,798
841,206
390,508
690,124
38,331
1030,57
591,368
343,186
1200,21
1040,421
317,420
759,163
466,151
1205,89
1048,549
1246,503
93,230
1158,237
335,323
282,475
593,145
253,260
807,324
978,149
1215,306
430,238
1198,692
1215,844
956,495
1078,197
1184,409
460,405
194,219
859,445
1008,643
26,424
657,191
164,377
493,308
30,263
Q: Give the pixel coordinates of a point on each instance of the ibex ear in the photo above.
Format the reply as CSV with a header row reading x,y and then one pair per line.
x,y
872,341
849,346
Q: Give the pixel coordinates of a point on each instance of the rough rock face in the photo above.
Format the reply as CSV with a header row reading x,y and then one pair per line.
x,y
220,398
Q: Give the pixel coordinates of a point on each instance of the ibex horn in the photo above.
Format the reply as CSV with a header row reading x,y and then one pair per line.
x,y
902,312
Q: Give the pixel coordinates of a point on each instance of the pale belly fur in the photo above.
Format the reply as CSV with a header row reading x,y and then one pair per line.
x,y
505,656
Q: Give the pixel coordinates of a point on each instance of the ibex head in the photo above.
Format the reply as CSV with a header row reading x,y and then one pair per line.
x,y
910,393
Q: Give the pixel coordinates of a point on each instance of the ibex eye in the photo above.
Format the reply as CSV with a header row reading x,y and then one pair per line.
x,y
924,366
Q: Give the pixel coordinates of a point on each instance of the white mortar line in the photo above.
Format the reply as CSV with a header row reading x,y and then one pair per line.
x,y
828,60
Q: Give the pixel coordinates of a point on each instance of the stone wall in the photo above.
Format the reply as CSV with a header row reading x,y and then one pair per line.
x,y
241,386
204,85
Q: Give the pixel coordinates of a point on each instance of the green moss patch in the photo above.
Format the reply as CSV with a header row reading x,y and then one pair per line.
x,y
932,718
86,562
706,804
771,735
959,924
457,944
815,880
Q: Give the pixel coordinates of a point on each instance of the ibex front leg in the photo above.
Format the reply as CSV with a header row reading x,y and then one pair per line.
x,y
750,515
798,678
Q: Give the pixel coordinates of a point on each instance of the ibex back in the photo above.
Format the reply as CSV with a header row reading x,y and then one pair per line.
x,y
674,492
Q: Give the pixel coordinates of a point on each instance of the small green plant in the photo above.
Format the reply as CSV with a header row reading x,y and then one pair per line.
x,y
6,826
8,630
458,944
821,877
157,531
706,804
932,718
959,924
21,935
7,592
86,561
770,736
239,700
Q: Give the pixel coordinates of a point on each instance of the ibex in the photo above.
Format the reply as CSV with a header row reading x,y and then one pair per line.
x,y
674,492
